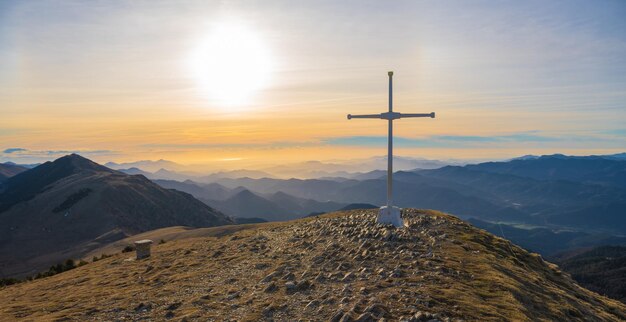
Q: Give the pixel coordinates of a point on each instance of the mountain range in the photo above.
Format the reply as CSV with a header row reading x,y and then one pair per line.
x,y
65,208
338,169
485,191
352,168
242,203
548,204
589,169
147,165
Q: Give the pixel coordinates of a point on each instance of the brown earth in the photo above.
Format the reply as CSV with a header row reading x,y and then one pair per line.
x,y
340,266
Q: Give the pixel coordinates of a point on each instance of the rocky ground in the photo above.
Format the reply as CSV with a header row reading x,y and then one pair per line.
x,y
338,267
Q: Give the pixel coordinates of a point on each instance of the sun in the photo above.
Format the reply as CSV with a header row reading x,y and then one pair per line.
x,y
231,64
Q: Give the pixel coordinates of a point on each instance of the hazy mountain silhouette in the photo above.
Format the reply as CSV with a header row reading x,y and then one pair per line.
x,y
590,169
147,165
407,194
278,206
135,171
247,204
302,206
242,173
229,200
350,168
210,191
64,208
481,192
545,202
23,165
166,174
8,170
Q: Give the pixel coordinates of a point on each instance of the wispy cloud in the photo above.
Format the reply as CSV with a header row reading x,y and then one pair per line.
x,y
615,132
519,137
251,145
435,141
42,153
378,141
13,150
438,140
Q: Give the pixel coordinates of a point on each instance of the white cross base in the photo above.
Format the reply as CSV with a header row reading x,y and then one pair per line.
x,y
390,216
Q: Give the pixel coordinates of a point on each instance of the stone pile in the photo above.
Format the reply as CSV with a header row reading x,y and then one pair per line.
x,y
356,257
338,267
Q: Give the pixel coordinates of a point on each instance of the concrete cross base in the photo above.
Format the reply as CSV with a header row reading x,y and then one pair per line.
x,y
390,216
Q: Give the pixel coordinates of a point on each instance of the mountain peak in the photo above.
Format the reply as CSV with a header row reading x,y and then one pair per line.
x,y
27,184
336,266
281,194
77,162
74,201
243,192
554,156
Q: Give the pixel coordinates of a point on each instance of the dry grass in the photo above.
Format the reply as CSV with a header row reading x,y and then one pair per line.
x,y
447,267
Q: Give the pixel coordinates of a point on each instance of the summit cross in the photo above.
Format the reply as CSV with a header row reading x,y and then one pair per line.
x,y
389,214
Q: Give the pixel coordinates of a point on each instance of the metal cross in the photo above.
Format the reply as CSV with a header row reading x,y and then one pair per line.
x,y
389,214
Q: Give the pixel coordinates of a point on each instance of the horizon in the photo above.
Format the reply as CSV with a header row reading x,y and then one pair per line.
x,y
239,83
270,168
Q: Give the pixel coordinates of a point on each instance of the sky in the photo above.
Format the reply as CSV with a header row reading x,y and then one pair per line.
x,y
236,83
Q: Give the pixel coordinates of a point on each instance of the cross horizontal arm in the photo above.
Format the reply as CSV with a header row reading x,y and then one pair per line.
x,y
364,116
431,115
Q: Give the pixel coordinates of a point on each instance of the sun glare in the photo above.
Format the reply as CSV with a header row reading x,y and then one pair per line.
x,y
231,64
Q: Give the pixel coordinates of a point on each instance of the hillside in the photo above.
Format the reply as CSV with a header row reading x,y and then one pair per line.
x,y
601,269
65,208
332,267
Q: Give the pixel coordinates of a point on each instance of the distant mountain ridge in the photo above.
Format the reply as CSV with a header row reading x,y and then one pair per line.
x,y
590,169
8,170
146,165
352,168
242,203
276,207
62,209
305,170
480,191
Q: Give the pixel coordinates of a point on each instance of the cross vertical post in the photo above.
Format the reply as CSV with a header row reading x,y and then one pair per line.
x,y
390,146
389,214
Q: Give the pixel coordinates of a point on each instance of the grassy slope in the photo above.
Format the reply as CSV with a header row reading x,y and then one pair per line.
x,y
445,266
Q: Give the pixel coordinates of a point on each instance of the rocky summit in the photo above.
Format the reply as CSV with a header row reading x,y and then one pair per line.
x,y
336,267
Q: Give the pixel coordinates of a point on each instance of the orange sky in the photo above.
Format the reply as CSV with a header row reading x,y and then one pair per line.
x,y
123,82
